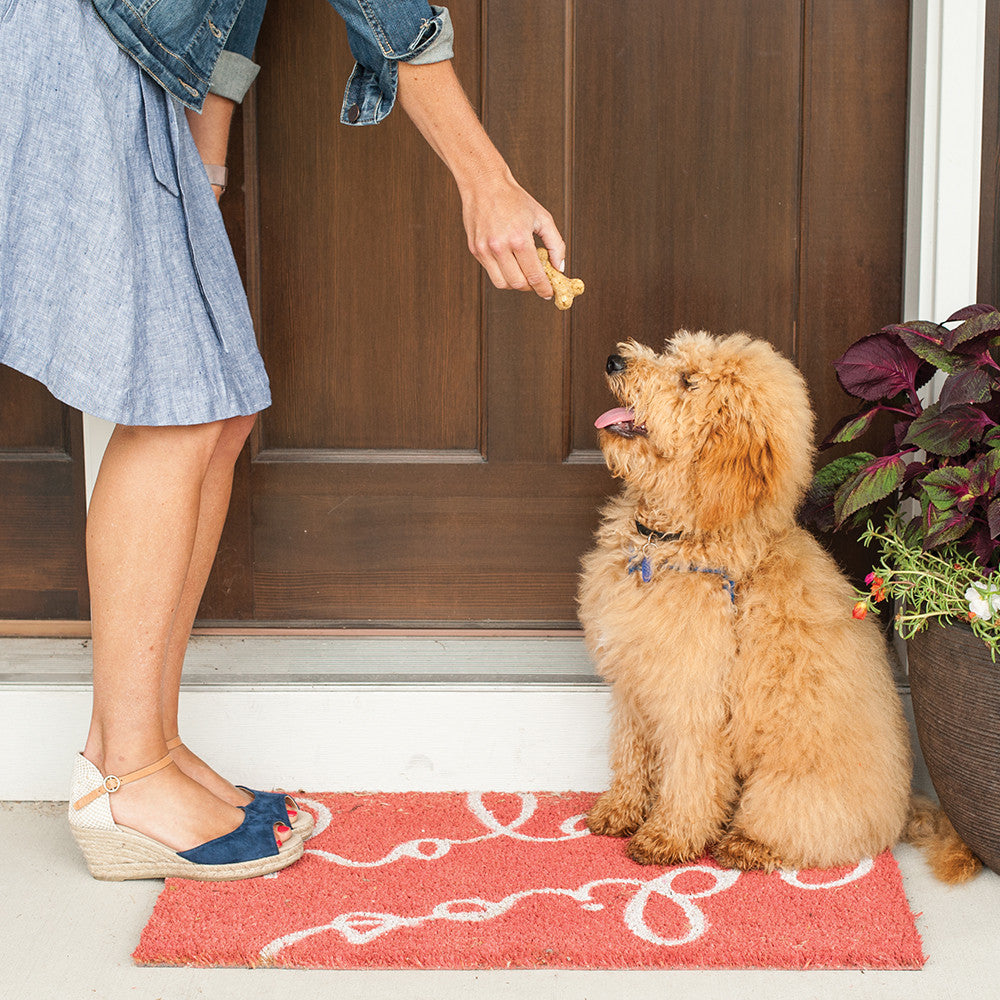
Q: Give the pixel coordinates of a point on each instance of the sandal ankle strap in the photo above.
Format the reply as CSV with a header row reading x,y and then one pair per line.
x,y
175,743
112,782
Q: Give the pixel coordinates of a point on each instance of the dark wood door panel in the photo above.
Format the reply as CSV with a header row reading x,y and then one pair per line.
x,y
527,94
42,561
370,303
430,543
853,187
31,421
853,204
686,182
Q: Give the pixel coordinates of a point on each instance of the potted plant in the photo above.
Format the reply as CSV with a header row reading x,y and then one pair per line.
x,y
929,502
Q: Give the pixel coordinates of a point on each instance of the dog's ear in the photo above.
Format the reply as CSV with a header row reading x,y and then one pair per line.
x,y
734,469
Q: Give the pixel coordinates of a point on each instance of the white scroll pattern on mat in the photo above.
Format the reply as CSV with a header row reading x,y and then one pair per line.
x,y
361,927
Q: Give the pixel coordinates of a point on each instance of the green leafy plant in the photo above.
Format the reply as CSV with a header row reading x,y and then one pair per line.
x,y
945,455
931,495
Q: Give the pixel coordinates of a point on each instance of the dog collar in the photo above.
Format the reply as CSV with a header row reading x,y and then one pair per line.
x,y
641,564
659,536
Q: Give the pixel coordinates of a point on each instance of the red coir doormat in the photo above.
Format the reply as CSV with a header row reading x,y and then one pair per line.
x,y
496,881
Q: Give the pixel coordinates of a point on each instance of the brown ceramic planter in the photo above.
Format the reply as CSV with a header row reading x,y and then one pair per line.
x,y
956,705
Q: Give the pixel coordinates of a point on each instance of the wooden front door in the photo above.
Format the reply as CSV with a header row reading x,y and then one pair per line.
x,y
430,456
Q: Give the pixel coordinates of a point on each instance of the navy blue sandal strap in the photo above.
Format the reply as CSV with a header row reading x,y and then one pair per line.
x,y
269,803
252,839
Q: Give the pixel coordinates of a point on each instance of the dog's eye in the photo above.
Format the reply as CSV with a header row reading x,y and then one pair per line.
x,y
689,381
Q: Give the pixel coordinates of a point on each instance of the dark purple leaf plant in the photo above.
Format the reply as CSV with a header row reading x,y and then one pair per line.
x,y
930,499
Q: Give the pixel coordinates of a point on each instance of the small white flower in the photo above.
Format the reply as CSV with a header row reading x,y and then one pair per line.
x,y
984,599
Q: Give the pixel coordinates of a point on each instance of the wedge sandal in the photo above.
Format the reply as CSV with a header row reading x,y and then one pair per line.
x,y
115,853
276,804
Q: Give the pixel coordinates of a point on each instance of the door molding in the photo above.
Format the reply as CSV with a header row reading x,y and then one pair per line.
x,y
989,210
947,54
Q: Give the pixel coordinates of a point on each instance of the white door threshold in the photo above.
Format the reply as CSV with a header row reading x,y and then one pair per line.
x,y
358,713
335,714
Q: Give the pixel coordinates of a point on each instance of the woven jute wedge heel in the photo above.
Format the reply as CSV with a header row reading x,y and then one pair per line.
x,y
303,823
115,853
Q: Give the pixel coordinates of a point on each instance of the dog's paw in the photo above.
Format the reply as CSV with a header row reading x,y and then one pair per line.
x,y
737,850
649,848
612,817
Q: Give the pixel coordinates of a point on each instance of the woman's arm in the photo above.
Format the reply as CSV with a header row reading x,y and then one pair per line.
x,y
501,218
210,131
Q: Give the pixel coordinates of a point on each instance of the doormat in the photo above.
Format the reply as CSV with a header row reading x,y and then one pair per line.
x,y
504,881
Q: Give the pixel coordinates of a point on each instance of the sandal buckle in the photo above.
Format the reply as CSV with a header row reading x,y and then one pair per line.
x,y
115,783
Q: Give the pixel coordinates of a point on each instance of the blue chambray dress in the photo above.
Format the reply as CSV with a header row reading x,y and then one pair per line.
x,y
118,287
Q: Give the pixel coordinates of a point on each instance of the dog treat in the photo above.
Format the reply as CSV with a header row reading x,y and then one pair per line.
x,y
566,289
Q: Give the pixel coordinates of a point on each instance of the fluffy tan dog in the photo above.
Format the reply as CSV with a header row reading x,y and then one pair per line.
x,y
755,717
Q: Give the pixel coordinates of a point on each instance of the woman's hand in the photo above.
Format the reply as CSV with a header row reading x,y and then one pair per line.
x,y
501,218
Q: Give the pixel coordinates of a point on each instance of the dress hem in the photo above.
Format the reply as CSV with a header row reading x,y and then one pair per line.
x,y
66,398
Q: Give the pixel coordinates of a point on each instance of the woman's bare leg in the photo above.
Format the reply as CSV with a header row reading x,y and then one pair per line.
x,y
141,532
214,504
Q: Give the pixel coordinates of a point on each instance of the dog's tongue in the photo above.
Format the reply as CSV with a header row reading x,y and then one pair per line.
x,y
619,415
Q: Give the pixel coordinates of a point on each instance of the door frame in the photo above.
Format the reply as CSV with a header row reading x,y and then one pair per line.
x,y
945,156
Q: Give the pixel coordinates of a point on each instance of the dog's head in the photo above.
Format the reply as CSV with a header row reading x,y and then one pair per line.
x,y
710,430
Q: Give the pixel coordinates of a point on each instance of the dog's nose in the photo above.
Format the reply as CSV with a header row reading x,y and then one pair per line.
x,y
616,363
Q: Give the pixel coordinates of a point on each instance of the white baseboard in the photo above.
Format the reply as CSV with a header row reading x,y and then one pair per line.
x,y
339,738
427,714
358,714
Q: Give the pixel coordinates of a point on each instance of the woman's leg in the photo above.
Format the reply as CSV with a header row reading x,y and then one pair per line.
x,y
214,504
141,532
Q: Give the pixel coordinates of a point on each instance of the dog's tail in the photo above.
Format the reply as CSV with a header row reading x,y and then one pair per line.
x,y
928,828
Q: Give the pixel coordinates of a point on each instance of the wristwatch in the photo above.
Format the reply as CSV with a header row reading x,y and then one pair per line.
x,y
218,174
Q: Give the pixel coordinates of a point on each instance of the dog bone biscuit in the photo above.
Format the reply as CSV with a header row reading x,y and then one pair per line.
x,y
566,289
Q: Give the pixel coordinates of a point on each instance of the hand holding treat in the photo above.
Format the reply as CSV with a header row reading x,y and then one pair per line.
x,y
565,289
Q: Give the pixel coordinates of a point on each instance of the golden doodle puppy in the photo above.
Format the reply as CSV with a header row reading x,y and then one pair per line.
x,y
754,716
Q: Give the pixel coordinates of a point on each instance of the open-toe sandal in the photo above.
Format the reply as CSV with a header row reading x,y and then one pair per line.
x,y
116,853
283,808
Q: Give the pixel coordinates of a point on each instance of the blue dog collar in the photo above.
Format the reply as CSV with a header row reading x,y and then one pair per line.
x,y
642,565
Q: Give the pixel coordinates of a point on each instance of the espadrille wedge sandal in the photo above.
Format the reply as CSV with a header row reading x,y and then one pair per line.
x,y
116,853
272,803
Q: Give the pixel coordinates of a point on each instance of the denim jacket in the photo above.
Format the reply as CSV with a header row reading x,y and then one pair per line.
x,y
193,46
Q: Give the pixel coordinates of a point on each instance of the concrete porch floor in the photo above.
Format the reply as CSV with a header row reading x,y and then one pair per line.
x,y
68,937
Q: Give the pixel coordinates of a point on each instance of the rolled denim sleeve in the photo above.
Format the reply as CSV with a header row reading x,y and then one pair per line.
x,y
441,46
235,70
383,33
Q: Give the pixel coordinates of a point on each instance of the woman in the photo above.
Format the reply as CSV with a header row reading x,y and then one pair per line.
x,y
118,290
